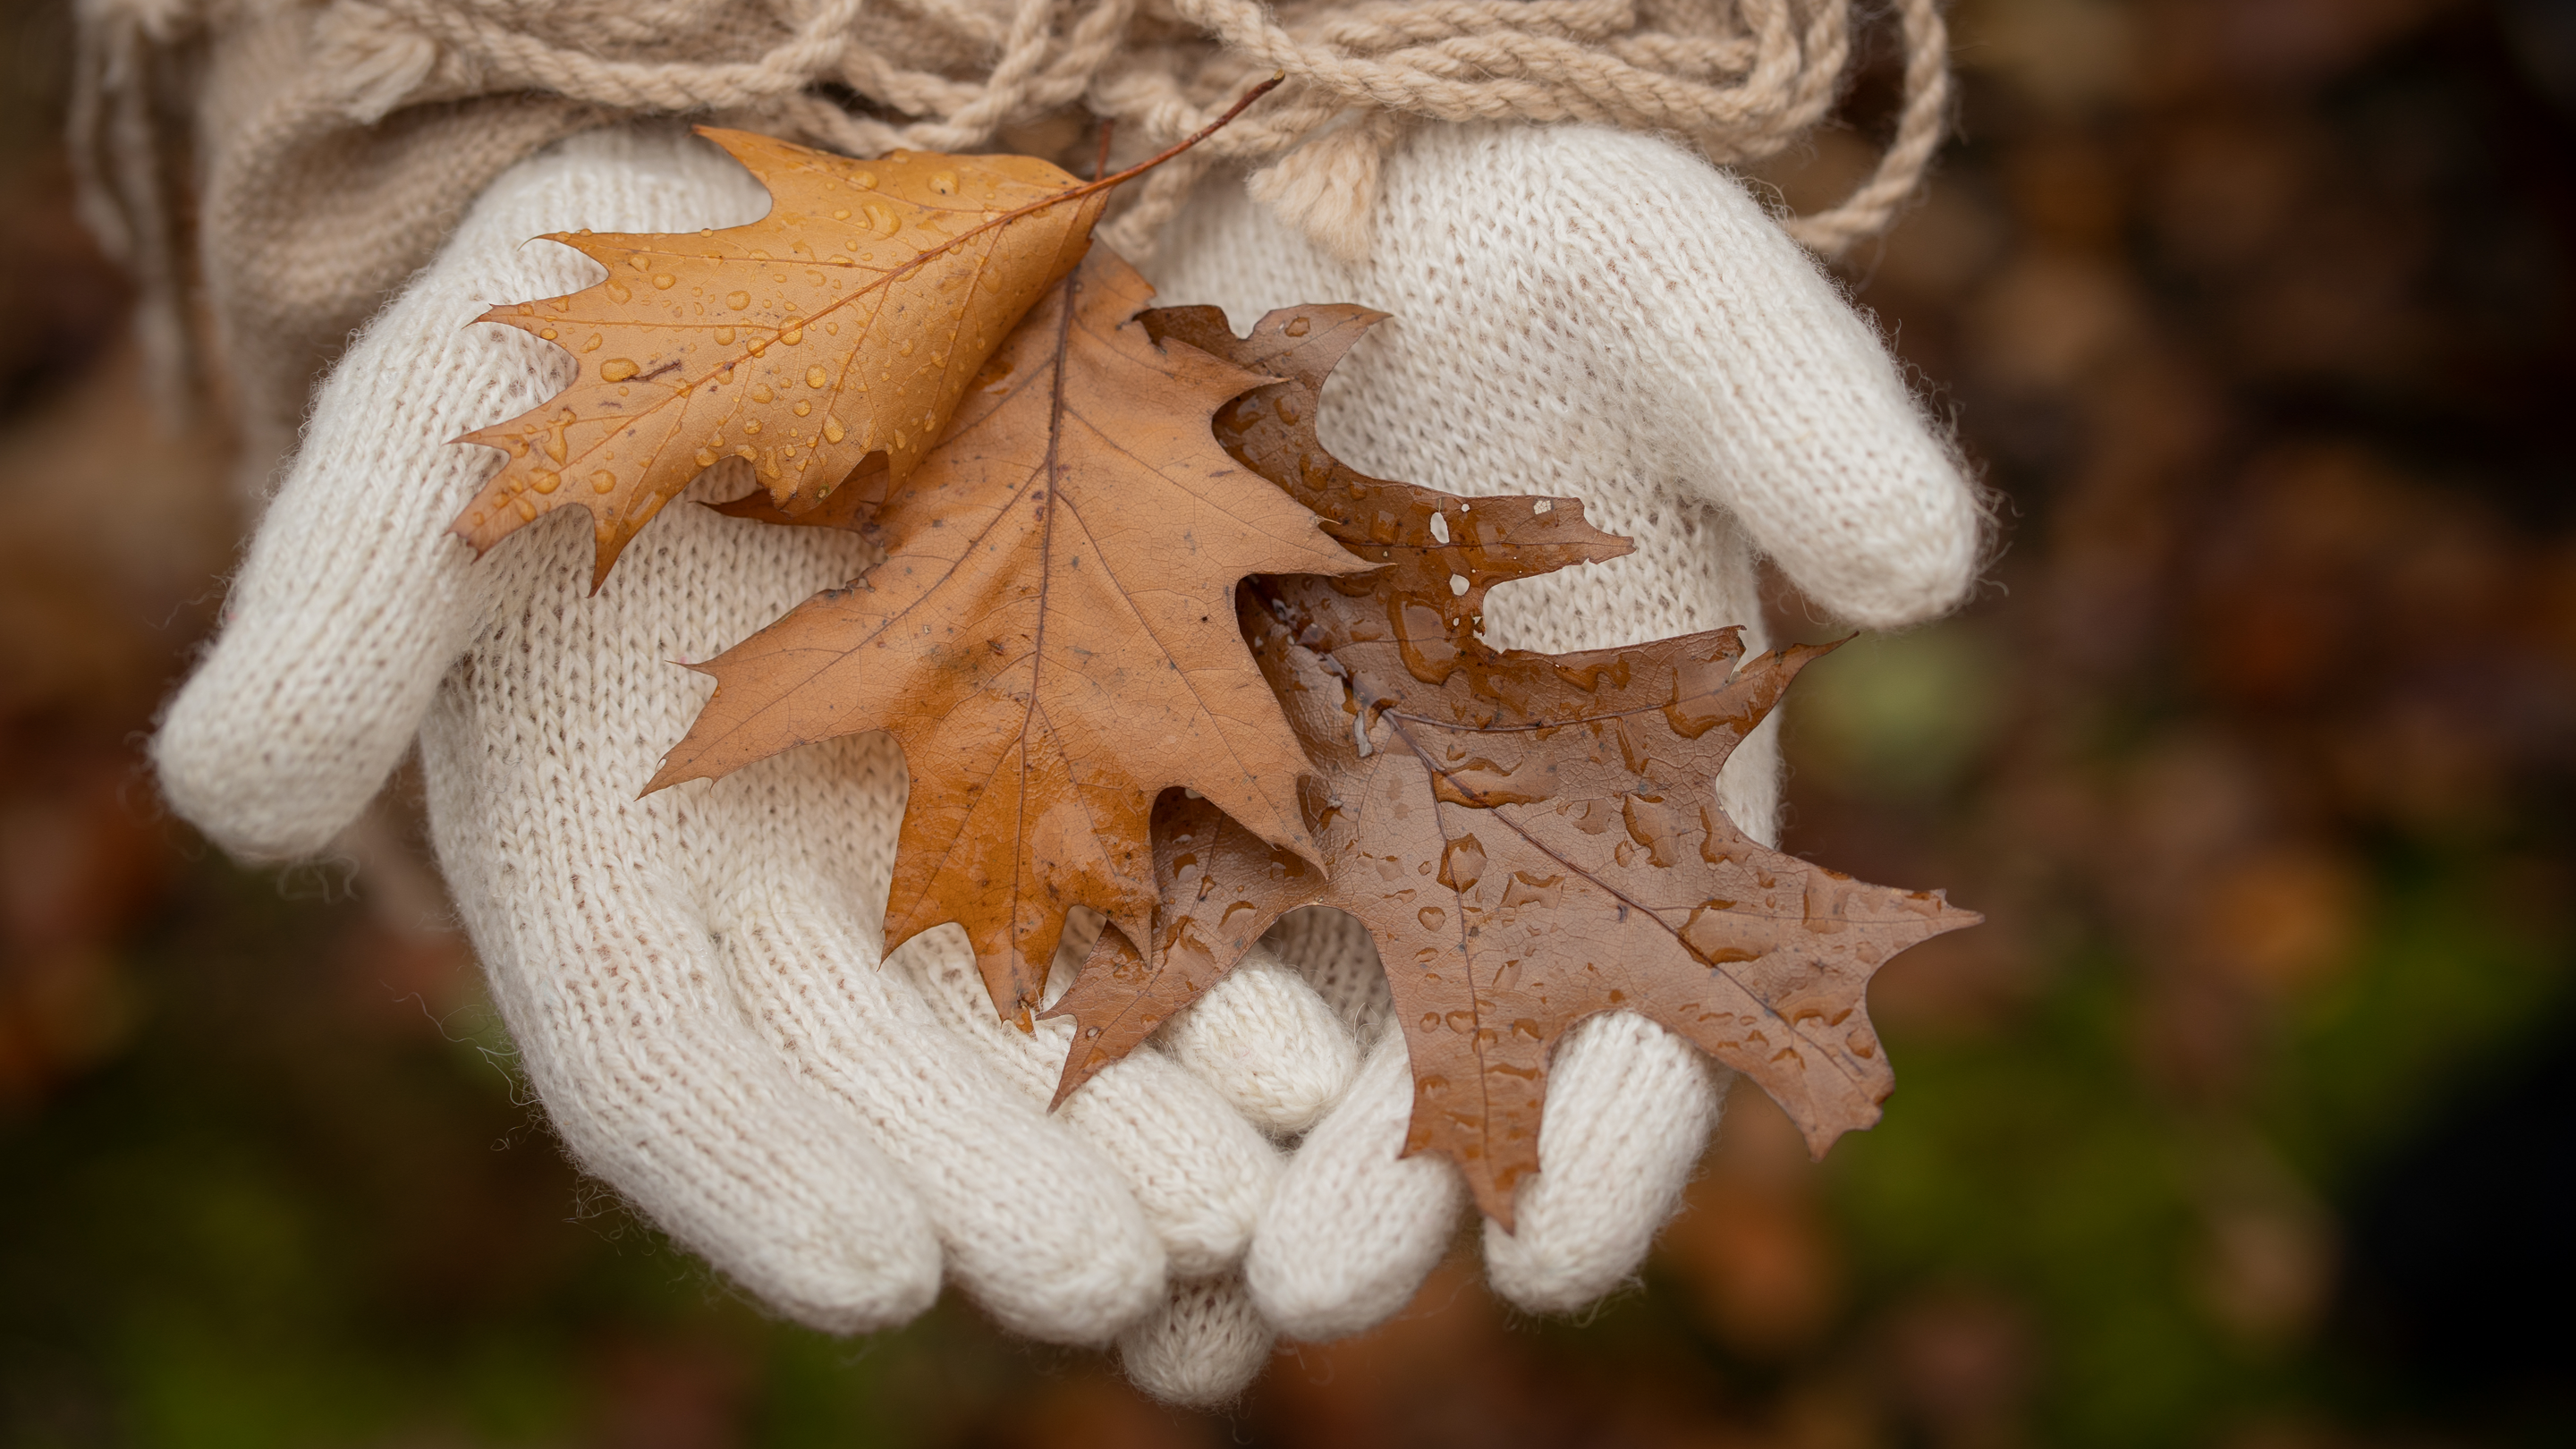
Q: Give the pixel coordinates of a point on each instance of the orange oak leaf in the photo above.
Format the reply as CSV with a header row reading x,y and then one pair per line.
x,y
851,506
846,322
1531,839
1051,636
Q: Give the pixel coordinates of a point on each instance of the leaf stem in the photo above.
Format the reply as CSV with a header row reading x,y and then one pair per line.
x,y
1089,188
1179,146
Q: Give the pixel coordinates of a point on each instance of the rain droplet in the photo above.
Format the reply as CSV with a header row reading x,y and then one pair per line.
x,y
527,510
617,369
547,333
1298,327
724,337
803,407
706,457
737,300
794,333
1714,937
546,480
760,393
816,377
602,481
1462,864
593,344
841,215
618,291
752,427
664,281
1432,917
832,430
1525,889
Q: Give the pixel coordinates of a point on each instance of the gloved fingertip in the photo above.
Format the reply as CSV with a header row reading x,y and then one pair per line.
x,y
1355,1226
1629,1108
1551,1284
1266,1042
886,1286
1203,1348
216,777
1079,1289
1919,555
1199,1172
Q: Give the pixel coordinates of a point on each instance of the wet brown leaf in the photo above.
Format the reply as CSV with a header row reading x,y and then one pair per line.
x,y
1532,839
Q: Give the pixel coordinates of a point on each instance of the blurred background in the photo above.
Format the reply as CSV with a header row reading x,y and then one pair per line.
x,y
2242,1123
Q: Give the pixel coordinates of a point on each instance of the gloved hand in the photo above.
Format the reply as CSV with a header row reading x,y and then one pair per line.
x,y
1587,313
692,978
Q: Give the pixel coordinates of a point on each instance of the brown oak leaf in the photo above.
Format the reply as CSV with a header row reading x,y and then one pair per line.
x,y
847,322
1531,839
1051,636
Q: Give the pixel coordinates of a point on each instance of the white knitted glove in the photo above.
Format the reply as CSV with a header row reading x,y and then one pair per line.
x,y
1594,314
693,977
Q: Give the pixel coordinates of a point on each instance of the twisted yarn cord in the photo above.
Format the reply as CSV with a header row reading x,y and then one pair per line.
x,y
1759,74
511,58
1538,77
1868,210
1386,24
1489,68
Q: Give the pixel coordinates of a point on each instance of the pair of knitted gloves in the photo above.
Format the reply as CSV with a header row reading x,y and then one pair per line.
x,y
694,977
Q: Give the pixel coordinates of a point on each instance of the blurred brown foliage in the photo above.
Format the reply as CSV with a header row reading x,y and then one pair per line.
x,y
2234,1126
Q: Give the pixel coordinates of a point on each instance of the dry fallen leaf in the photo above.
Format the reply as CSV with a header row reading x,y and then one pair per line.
x,y
848,321
1531,839
1051,636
